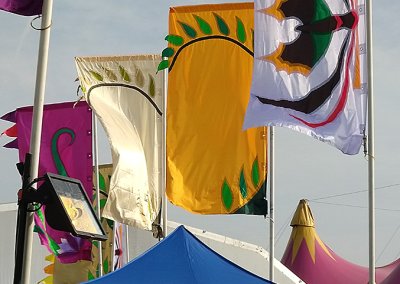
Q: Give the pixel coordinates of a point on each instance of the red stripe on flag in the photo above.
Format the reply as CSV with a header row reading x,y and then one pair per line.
x,y
342,99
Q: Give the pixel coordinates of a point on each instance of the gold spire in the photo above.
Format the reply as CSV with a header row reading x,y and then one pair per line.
x,y
303,215
303,229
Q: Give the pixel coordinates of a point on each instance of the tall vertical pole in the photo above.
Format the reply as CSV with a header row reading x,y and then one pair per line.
x,y
371,149
37,119
97,186
127,256
21,221
112,247
164,152
271,167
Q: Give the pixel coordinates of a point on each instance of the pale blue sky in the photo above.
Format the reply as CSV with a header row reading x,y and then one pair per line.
x,y
305,168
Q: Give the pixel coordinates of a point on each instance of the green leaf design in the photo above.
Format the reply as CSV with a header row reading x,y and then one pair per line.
x,y
40,215
96,76
227,196
139,78
38,230
102,203
83,89
240,30
105,266
53,246
96,244
174,40
110,74
189,31
152,86
242,184
203,25
163,65
90,275
255,173
222,26
168,52
102,182
124,74
110,223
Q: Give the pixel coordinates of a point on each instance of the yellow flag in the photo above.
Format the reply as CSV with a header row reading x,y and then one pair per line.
x,y
213,166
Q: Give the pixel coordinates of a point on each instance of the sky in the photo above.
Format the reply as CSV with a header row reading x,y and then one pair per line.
x,y
335,184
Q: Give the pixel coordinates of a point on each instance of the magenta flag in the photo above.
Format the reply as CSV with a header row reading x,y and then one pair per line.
x,y
22,7
66,149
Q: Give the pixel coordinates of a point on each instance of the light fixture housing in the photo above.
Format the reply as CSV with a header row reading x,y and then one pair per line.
x,y
68,207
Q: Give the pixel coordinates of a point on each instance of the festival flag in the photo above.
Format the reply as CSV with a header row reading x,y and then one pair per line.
x,y
81,271
22,7
48,270
65,273
213,166
125,94
66,149
310,71
107,247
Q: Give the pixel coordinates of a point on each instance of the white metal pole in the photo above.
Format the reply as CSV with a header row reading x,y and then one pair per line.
x,y
127,256
41,73
371,149
97,186
271,164
113,246
164,152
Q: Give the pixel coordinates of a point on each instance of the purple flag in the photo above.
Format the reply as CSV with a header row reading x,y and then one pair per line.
x,y
22,7
12,145
9,116
66,149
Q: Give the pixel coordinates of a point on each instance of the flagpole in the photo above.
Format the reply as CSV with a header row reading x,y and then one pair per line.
x,y
271,164
127,256
371,149
112,247
97,186
36,131
164,152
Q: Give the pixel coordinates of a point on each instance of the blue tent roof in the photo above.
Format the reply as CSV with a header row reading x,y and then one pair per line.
x,y
180,258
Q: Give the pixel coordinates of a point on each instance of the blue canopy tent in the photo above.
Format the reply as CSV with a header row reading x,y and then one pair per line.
x,y
180,258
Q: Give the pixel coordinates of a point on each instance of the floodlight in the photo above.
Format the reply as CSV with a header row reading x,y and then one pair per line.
x,y
68,208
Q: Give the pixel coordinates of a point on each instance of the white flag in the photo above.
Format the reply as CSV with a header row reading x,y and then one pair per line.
x,y
125,94
309,70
